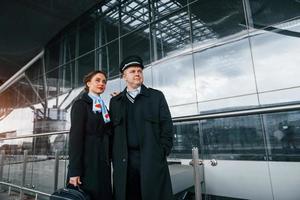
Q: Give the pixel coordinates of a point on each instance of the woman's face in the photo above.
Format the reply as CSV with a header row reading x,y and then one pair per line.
x,y
97,84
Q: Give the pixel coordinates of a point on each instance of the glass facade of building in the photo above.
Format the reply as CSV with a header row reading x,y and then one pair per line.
x,y
206,56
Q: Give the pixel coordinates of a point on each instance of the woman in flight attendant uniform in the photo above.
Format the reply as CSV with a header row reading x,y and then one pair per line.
x,y
89,166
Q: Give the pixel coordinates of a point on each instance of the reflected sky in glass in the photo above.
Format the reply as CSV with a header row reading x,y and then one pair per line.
x,y
175,78
276,60
228,104
148,77
224,71
19,120
280,96
185,110
111,86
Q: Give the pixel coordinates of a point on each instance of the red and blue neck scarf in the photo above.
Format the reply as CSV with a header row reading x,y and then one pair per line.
x,y
99,106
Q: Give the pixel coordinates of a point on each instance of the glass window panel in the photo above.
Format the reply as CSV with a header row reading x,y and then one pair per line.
x,y
18,122
137,43
109,30
70,42
35,70
35,76
276,57
59,144
23,93
107,20
52,55
280,96
162,8
109,59
60,80
184,110
53,83
14,159
186,136
170,34
112,86
110,20
44,165
147,72
7,102
283,135
67,76
222,70
215,19
269,12
175,77
86,64
229,104
86,35
134,14
233,138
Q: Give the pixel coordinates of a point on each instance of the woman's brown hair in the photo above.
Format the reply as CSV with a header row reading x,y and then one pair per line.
x,y
89,77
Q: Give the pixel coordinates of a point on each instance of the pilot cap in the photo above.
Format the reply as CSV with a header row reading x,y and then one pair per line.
x,y
131,61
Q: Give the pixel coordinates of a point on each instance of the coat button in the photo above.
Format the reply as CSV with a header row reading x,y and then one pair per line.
x,y
124,160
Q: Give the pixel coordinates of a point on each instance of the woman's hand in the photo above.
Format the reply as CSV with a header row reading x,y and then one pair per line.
x,y
75,181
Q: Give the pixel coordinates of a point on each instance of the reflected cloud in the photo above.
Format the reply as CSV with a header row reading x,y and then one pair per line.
x,y
175,78
224,71
276,60
185,110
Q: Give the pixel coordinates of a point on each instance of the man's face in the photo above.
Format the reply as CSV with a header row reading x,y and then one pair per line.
x,y
133,76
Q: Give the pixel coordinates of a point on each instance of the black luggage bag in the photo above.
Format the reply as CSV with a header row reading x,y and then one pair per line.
x,y
69,193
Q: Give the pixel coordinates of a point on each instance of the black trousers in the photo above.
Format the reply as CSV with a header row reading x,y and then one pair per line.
x,y
133,186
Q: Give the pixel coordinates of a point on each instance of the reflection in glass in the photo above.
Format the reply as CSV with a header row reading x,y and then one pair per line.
x,y
86,64
109,59
18,122
34,82
186,136
175,78
137,43
233,138
268,12
276,58
283,135
86,35
170,34
290,96
53,83
112,86
229,104
215,19
40,161
52,55
161,8
108,26
147,72
184,110
134,14
224,71
69,44
67,76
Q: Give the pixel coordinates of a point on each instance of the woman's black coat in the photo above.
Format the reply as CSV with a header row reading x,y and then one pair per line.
x,y
153,119
89,149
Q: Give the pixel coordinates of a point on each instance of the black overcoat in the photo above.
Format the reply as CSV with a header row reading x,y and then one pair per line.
x,y
154,120
89,149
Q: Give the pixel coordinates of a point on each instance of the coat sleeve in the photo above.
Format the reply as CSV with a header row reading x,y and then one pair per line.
x,y
111,136
166,126
76,139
